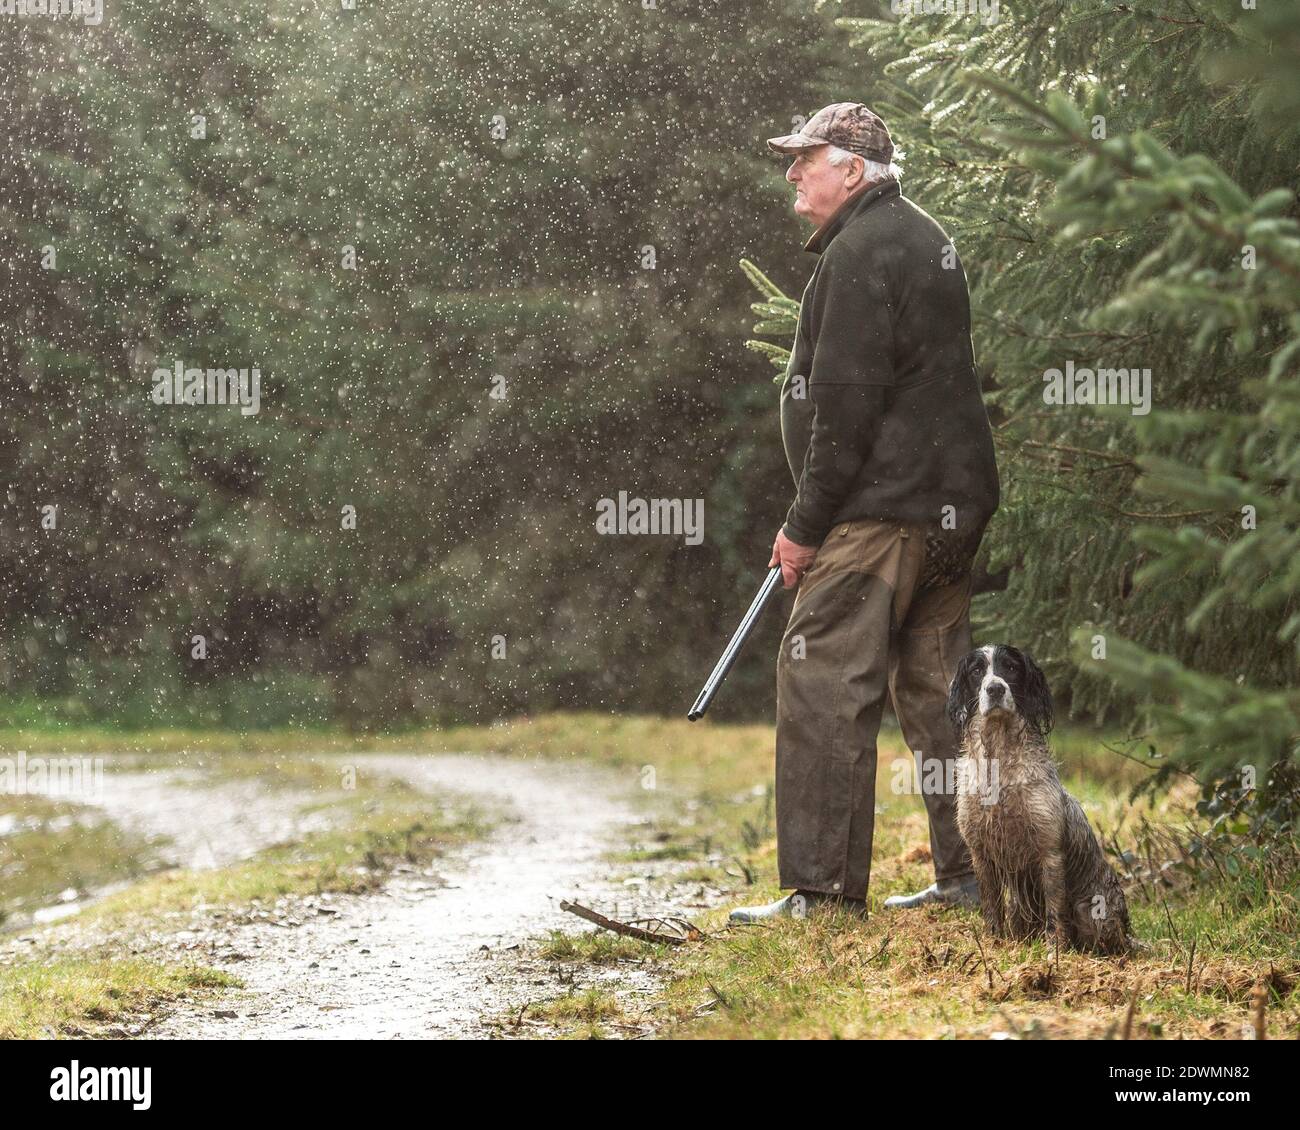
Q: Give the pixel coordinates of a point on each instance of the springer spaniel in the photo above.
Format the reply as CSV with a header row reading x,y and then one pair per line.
x,y
1039,866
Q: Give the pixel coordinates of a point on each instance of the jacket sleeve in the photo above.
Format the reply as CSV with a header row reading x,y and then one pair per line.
x,y
849,386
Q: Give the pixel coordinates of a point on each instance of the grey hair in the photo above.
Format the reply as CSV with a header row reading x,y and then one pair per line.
x,y
873,172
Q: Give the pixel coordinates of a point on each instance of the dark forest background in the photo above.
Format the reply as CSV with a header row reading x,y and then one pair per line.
x,y
1117,177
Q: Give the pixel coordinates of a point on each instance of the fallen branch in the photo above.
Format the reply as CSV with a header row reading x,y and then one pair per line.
x,y
678,927
628,930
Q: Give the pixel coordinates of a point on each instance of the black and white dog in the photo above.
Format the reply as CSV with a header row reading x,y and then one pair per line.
x,y
1039,866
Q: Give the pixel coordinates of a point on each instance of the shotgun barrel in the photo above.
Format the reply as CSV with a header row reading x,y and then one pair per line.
x,y
770,585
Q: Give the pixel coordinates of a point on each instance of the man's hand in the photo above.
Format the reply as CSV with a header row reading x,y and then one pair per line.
x,y
795,560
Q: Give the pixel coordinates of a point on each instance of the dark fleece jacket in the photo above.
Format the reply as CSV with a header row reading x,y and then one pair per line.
x,y
881,413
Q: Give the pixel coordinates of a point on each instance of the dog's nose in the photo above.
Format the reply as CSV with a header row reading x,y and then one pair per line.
x,y
996,691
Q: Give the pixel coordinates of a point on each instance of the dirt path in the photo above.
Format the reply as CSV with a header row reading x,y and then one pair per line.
x,y
431,955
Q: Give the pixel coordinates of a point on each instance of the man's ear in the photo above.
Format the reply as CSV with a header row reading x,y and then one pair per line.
x,y
861,166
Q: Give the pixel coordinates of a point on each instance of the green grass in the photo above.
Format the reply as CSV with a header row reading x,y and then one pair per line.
x,y
94,997
920,974
936,974
599,948
586,1014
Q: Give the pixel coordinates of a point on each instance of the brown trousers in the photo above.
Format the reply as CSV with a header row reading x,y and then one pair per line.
x,y
865,621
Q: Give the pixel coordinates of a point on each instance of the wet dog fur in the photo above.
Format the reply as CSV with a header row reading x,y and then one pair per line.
x,y
1040,869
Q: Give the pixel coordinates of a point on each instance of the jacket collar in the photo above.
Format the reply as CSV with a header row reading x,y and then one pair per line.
x,y
852,206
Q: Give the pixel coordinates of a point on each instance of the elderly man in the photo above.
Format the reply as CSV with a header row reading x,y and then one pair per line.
x,y
890,448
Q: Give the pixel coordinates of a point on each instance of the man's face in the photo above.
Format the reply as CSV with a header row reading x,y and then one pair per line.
x,y
821,187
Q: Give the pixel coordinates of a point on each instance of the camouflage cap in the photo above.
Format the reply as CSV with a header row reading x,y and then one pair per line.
x,y
849,125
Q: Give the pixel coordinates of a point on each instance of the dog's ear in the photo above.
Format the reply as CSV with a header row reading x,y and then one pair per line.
x,y
1037,704
961,694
